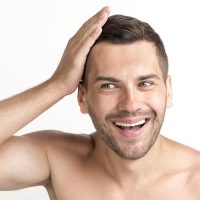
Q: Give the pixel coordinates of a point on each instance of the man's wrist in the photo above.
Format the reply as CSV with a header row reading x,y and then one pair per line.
x,y
57,87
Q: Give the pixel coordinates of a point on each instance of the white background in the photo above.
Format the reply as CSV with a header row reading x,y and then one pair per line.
x,y
34,33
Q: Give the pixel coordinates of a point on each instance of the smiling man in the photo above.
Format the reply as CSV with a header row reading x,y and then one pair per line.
x,y
120,67
126,95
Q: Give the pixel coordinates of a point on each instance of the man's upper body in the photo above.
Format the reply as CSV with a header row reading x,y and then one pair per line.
x,y
125,89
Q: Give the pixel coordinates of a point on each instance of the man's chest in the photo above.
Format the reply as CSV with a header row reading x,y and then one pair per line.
x,y
89,194
85,189
78,180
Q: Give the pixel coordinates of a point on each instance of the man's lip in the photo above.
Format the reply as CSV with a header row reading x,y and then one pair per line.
x,y
131,120
128,133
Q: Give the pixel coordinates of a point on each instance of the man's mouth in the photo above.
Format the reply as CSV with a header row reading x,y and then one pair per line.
x,y
131,127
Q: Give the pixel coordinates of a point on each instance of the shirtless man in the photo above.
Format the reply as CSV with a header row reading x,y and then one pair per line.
x,y
124,86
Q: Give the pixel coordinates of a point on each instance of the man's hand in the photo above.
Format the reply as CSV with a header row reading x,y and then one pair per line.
x,y
71,66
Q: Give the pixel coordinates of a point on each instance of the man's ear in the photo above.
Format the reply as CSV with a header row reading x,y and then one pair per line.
x,y
169,92
81,96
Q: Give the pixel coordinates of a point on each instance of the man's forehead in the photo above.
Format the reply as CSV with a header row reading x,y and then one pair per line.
x,y
106,56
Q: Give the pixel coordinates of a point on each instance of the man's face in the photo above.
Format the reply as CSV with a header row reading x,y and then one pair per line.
x,y
126,96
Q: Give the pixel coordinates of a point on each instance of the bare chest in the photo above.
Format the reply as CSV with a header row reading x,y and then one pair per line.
x,y
90,194
84,187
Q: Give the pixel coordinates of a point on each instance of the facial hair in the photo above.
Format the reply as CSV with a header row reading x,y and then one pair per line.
x,y
130,150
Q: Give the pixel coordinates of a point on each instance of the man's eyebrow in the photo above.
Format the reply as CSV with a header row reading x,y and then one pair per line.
x,y
106,78
148,76
140,78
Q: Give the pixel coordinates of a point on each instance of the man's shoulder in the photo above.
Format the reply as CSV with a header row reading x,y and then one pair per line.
x,y
193,169
56,141
193,172
181,165
186,161
183,154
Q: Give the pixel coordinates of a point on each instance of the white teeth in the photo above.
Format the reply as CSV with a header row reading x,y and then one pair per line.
x,y
130,125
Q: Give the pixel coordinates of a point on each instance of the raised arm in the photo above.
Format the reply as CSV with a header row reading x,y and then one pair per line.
x,y
17,154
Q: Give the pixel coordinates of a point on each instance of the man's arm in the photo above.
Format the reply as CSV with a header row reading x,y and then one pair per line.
x,y
23,160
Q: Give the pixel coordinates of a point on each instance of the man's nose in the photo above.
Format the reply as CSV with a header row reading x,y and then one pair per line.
x,y
130,100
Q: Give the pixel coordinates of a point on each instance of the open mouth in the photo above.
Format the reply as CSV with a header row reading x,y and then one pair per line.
x,y
131,126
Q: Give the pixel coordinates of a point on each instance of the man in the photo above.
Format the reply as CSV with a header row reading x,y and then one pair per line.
x,y
121,72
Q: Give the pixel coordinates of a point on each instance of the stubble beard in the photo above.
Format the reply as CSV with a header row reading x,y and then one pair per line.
x,y
130,150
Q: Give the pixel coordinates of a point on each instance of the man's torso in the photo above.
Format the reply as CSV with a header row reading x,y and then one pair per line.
x,y
76,174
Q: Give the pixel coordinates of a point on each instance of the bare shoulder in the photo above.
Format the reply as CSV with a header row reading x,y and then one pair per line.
x,y
185,155
193,172
58,141
187,161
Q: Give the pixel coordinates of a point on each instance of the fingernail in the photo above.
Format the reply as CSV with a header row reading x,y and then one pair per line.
x,y
107,9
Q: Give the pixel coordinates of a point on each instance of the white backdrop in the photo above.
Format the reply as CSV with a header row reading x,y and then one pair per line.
x,y
34,33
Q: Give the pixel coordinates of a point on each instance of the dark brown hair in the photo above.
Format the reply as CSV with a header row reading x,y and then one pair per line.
x,y
120,29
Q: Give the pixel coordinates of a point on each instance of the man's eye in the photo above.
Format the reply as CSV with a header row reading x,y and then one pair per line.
x,y
145,84
108,86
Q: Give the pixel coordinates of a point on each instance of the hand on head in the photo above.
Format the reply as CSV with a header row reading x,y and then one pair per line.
x,y
71,66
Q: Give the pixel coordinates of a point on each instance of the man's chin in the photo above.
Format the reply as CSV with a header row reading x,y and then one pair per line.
x,y
131,154
128,151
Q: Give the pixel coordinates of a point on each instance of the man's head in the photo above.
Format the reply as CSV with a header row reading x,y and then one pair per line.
x,y
120,29
126,88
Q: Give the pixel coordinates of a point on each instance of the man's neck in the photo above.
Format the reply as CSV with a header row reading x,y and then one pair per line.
x,y
134,173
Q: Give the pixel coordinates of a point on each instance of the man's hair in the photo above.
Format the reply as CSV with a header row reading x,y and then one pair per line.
x,y
120,29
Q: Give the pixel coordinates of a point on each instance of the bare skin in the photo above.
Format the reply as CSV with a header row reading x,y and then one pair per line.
x,y
138,164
